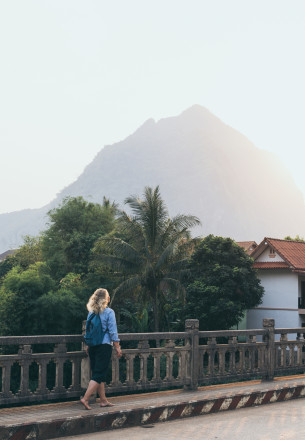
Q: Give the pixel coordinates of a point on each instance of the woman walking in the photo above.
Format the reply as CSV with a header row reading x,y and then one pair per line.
x,y
100,355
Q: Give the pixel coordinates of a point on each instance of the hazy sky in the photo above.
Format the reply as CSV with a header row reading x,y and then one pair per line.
x,y
76,75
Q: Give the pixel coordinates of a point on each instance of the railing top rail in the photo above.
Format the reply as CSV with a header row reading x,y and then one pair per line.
x,y
62,339
41,339
152,336
226,333
289,330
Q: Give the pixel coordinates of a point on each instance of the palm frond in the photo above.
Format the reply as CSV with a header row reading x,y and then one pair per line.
x,y
150,212
174,285
186,248
130,225
117,263
126,286
135,204
147,252
166,255
182,221
172,233
119,248
178,265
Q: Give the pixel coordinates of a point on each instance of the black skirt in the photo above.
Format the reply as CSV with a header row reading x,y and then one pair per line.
x,y
100,356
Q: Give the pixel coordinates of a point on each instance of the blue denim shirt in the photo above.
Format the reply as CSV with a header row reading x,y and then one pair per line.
x,y
109,326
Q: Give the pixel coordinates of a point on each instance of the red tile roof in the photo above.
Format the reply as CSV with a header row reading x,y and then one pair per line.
x,y
292,252
248,246
273,265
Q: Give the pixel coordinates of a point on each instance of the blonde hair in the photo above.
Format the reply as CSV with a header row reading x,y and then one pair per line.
x,y
98,301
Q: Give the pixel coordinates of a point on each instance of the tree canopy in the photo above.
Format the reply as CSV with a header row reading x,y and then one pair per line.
x,y
296,238
73,228
19,292
45,285
222,284
153,252
155,271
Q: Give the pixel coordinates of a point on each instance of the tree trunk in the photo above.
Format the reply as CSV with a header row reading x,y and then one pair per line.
x,y
156,315
156,311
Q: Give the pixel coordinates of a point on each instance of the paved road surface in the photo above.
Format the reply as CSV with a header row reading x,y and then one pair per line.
x,y
277,421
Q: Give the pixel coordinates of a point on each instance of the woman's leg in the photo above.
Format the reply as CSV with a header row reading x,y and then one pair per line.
x,y
103,398
92,387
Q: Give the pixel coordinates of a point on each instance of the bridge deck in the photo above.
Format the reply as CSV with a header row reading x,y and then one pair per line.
x,y
53,420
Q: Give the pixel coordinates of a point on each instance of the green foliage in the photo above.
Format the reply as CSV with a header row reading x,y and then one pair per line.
x,y
19,293
136,321
6,265
153,254
144,258
62,311
29,253
74,227
71,281
222,284
297,238
45,286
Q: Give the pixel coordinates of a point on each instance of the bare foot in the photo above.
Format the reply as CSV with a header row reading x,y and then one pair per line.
x,y
85,403
104,403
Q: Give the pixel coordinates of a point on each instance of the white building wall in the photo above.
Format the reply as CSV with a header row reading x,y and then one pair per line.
x,y
282,318
267,257
281,289
280,300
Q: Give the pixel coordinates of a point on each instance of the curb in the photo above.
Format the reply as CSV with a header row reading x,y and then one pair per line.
x,y
44,430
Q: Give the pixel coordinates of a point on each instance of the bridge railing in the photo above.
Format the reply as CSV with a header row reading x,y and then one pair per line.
x,y
35,368
288,351
44,368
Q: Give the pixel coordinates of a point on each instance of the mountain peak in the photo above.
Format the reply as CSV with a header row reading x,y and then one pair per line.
x,y
196,110
202,166
197,115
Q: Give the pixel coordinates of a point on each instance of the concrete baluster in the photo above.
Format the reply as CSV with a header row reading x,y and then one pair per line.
x,y
129,369
42,377
115,371
180,363
25,351
283,342
75,385
192,328
211,353
144,347
268,325
300,345
6,378
171,345
60,352
221,367
157,362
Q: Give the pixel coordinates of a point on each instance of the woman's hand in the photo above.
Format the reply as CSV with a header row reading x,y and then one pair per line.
x,y
119,352
118,349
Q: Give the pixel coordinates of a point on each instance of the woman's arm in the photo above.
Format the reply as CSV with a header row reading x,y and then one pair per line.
x,y
118,349
113,333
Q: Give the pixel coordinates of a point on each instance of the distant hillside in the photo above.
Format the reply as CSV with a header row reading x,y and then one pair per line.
x,y
203,167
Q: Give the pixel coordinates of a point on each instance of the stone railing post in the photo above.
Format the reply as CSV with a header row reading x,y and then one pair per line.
x,y
192,328
268,324
85,364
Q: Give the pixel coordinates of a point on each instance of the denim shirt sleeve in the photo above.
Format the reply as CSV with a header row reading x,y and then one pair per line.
x,y
109,326
112,327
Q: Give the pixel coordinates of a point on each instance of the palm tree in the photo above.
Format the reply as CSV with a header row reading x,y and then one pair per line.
x,y
154,252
